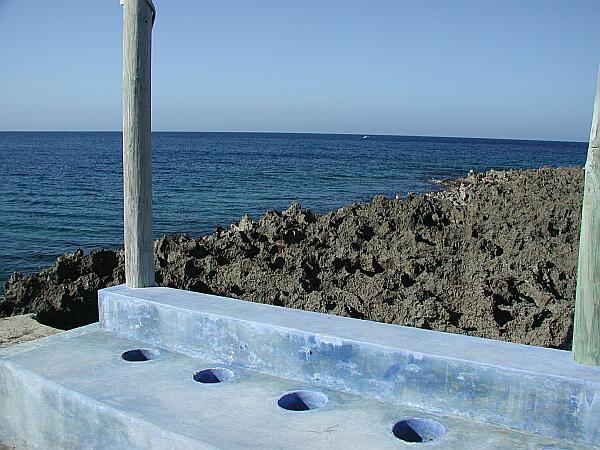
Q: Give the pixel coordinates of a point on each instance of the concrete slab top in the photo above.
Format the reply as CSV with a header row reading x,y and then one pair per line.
x,y
79,382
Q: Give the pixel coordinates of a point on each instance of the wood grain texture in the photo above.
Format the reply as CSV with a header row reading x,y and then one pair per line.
x,y
138,16
586,331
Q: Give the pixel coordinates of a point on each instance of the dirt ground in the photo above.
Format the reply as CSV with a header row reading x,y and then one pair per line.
x,y
17,329
494,255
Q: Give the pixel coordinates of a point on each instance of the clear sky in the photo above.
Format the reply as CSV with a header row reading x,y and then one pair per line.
x,y
482,68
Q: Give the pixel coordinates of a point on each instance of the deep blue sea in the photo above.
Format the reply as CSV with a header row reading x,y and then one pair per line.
x,y
60,191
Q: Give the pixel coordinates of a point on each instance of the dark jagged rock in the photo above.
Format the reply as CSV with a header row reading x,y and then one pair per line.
x,y
64,295
492,256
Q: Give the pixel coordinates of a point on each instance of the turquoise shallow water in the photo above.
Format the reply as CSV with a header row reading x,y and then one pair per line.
x,y
60,191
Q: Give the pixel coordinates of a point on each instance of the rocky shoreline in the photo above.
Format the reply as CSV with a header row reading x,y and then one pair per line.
x,y
493,255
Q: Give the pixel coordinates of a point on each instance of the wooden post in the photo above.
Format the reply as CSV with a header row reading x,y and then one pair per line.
x,y
586,331
138,18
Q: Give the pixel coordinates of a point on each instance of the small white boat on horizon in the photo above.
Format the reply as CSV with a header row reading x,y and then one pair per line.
x,y
365,137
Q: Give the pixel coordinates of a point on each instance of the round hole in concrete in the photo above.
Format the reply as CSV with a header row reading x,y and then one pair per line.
x,y
216,375
302,400
418,430
140,354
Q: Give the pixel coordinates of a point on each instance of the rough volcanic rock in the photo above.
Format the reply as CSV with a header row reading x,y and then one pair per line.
x,y
65,294
494,255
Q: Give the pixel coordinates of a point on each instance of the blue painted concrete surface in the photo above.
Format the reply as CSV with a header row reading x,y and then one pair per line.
x,y
345,383
528,388
74,391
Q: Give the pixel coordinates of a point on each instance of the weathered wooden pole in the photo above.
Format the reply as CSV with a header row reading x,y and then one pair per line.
x,y
138,18
586,332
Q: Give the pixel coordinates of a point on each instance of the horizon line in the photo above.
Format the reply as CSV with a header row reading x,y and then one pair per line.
x,y
307,133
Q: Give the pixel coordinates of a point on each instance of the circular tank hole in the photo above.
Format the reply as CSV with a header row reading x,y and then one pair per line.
x,y
213,375
418,430
140,354
302,400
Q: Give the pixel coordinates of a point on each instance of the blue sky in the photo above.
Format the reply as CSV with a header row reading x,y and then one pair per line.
x,y
480,68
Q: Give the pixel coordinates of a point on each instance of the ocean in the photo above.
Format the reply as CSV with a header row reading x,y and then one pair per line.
x,y
60,191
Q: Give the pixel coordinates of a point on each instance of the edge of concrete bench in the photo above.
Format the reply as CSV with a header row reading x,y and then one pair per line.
x,y
528,388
